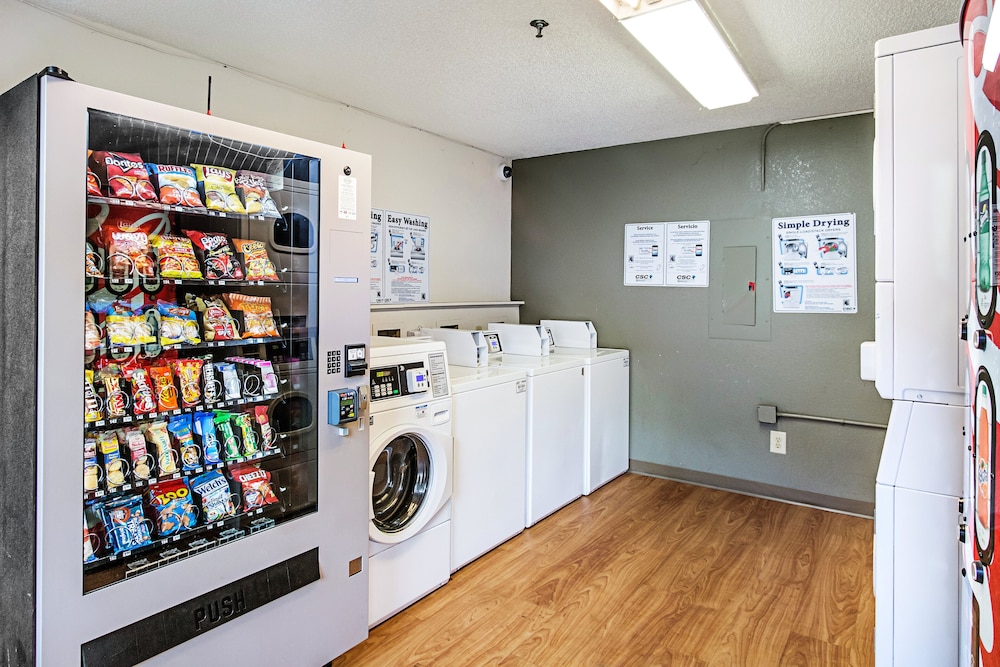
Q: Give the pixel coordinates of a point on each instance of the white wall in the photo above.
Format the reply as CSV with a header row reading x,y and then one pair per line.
x,y
413,172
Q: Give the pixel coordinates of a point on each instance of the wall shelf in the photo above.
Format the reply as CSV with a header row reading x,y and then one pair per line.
x,y
378,307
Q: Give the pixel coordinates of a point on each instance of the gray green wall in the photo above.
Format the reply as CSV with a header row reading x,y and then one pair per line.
x,y
694,397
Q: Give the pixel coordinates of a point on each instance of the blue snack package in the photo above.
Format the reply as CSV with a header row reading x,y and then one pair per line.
x,y
180,428
204,428
216,496
126,524
174,506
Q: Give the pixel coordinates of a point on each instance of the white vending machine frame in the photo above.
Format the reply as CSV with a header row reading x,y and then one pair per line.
x,y
311,624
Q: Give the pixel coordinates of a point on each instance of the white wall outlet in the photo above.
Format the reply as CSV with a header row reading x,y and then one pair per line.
x,y
779,442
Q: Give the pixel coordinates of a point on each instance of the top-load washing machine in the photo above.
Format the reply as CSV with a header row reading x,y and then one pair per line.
x,y
488,498
554,418
411,474
606,425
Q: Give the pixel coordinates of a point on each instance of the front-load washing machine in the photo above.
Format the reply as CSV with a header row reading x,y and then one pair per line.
x,y
411,474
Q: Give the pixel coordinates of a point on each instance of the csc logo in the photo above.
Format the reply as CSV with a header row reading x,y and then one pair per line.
x,y
644,276
689,276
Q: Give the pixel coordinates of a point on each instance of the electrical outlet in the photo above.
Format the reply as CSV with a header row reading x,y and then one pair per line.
x,y
779,442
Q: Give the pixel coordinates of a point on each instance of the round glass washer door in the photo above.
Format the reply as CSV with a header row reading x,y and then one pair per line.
x,y
402,476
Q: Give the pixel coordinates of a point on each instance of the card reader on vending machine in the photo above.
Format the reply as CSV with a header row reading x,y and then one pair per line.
x,y
341,408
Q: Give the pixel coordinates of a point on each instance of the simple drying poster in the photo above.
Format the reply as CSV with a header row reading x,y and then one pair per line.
x,y
671,254
815,265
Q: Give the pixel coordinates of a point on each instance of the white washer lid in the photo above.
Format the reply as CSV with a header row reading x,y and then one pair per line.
x,y
464,378
538,365
591,355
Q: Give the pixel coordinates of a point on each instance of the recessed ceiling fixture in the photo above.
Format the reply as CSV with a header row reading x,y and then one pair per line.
x,y
683,38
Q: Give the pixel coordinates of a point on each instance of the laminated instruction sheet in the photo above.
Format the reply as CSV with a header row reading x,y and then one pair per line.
x,y
814,264
400,271
667,254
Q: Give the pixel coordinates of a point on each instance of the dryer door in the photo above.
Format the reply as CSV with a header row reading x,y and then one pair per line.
x,y
408,486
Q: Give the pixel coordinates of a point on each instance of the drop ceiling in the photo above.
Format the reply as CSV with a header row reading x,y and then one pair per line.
x,y
475,72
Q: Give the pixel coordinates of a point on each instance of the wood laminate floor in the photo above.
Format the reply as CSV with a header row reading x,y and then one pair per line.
x,y
647,571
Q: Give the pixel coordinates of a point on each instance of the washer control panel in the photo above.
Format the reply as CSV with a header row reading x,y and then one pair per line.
x,y
399,380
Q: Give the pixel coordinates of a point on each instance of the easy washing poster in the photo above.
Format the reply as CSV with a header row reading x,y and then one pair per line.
x,y
814,265
400,270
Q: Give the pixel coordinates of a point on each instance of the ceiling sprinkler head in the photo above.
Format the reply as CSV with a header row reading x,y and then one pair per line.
x,y
538,24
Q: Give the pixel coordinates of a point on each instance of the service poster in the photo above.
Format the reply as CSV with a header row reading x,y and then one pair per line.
x,y
814,264
407,278
667,254
687,253
377,279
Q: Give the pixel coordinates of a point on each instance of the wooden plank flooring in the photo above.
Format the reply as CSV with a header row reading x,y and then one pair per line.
x,y
644,572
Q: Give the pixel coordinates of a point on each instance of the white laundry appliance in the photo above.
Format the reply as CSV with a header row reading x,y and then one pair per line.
x,y
411,474
917,359
490,412
554,419
606,399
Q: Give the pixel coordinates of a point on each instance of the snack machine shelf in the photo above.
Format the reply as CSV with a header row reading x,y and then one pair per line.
x,y
191,532
189,210
132,486
152,347
166,414
138,281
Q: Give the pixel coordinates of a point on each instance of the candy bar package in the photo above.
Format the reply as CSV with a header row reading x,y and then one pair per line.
x,y
111,459
252,187
158,436
124,175
138,455
177,324
116,399
126,524
267,438
164,388
217,255
176,185
188,372
255,485
92,472
125,326
258,320
211,381
175,256
143,400
217,321
91,402
256,262
174,506
227,435
215,495
180,427
219,188
204,428
251,442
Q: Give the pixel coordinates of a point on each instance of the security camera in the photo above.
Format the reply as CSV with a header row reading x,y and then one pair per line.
x,y
503,172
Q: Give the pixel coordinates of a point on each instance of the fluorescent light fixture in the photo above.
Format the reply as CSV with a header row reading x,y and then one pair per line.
x,y
686,42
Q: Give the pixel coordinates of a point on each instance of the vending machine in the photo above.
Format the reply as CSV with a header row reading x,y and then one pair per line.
x,y
184,344
981,610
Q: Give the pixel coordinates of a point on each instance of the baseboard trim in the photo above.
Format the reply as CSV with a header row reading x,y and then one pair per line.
x,y
750,488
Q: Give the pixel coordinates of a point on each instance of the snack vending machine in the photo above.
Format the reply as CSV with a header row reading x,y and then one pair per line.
x,y
204,426
981,567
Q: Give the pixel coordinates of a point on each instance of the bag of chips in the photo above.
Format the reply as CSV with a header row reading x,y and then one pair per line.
x,y
180,428
188,372
258,320
92,262
219,189
215,495
91,334
256,262
177,324
252,187
217,255
267,437
175,255
177,185
204,428
124,174
251,442
158,436
174,506
163,386
126,524
125,326
91,532
255,485
93,184
217,321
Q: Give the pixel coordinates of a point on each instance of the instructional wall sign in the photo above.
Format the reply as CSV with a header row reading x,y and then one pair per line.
x,y
407,276
377,258
667,254
815,265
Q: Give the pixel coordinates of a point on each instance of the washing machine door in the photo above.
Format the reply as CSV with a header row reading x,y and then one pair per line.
x,y
407,486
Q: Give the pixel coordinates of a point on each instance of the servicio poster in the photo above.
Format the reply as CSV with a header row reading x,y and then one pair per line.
x,y
814,264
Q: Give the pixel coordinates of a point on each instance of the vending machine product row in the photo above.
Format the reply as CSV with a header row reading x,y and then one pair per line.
x,y
222,497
